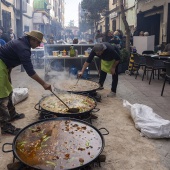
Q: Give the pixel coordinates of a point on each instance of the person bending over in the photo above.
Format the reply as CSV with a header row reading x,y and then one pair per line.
x,y
12,54
110,57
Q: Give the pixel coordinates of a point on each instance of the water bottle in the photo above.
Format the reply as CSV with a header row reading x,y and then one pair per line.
x,y
72,51
86,73
73,71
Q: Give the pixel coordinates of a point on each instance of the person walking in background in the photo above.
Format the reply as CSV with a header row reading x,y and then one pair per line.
x,y
98,36
2,42
110,57
11,35
116,40
107,36
146,34
120,34
141,33
136,32
3,35
167,48
12,54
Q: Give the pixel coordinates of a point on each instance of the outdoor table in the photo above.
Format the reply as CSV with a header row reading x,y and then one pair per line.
x,y
160,57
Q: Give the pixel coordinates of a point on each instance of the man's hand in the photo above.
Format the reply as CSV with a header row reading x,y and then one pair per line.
x,y
113,70
80,74
47,86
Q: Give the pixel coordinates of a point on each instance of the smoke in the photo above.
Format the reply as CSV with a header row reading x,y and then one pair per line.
x,y
60,78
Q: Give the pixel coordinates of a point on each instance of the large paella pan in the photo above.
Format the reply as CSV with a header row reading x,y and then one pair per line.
x,y
51,104
73,86
56,144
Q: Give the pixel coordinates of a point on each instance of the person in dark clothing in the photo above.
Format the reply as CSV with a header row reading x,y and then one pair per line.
x,y
11,35
2,42
136,32
110,57
98,36
167,48
12,54
108,36
3,35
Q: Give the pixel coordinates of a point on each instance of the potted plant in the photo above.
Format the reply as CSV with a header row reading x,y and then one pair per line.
x,y
124,61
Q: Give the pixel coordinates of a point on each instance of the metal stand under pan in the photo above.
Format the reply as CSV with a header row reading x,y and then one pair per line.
x,y
96,95
47,115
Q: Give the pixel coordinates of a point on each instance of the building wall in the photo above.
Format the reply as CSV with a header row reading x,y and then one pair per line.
x,y
101,25
113,15
130,15
151,4
9,9
27,17
116,15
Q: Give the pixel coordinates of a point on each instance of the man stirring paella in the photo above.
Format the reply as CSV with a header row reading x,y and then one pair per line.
x,y
110,56
14,53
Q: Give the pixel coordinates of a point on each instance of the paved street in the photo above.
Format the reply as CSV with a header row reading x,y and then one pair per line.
x,y
135,91
138,91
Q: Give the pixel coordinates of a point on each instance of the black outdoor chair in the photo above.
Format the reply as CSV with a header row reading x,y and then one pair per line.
x,y
167,76
151,65
139,61
148,52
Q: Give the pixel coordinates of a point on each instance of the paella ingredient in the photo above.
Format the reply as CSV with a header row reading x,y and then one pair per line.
x,y
54,148
81,149
81,160
67,156
38,129
52,104
22,143
87,143
55,158
51,163
70,85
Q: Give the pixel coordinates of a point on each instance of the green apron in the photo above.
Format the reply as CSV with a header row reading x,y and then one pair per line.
x,y
107,65
5,85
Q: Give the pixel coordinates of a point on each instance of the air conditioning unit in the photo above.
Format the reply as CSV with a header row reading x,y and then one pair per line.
x,y
24,5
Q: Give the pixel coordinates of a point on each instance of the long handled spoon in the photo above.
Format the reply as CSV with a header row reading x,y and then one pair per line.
x,y
71,110
77,81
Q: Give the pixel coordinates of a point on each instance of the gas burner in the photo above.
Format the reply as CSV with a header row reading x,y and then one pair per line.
x,y
95,95
47,115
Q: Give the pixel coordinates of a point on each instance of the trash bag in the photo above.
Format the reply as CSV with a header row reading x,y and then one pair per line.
x,y
19,94
149,123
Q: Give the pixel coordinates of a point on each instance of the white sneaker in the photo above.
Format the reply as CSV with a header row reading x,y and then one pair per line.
x,y
111,94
